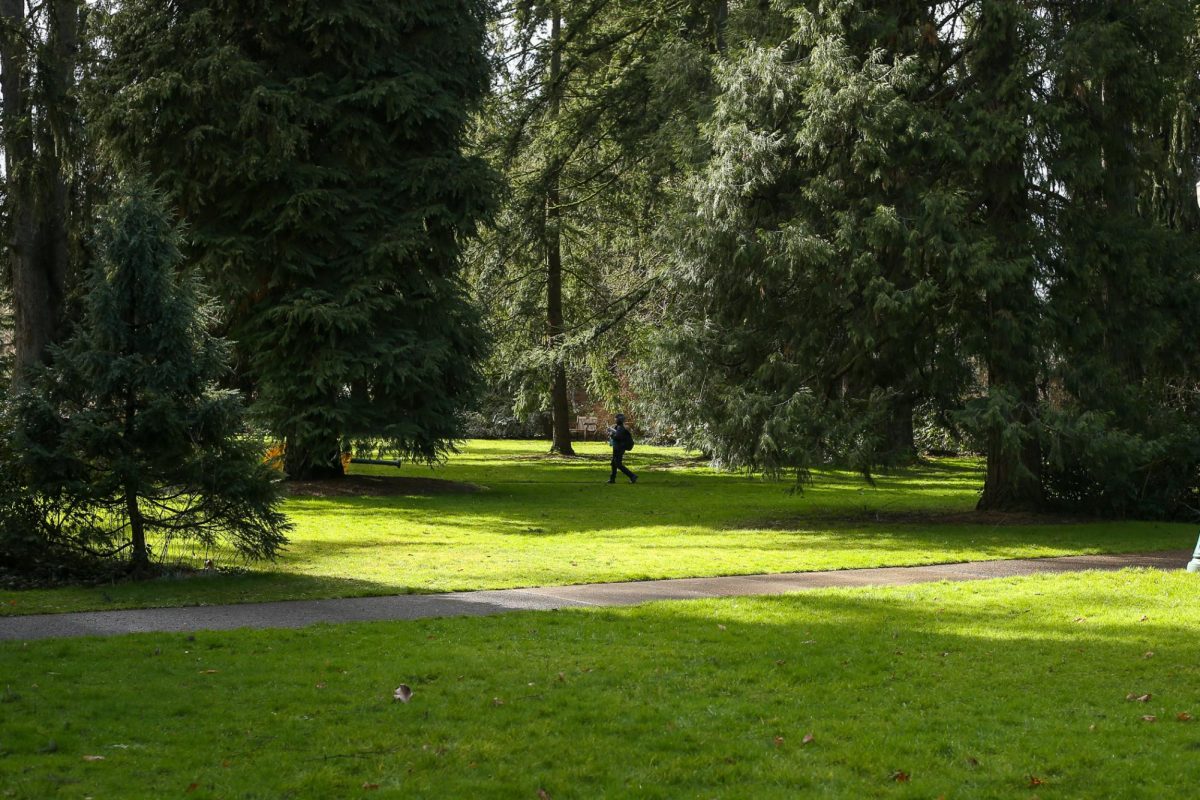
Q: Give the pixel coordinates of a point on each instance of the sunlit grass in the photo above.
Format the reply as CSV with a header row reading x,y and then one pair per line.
x,y
997,689
544,521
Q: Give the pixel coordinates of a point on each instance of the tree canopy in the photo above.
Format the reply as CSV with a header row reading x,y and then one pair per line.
x,y
315,151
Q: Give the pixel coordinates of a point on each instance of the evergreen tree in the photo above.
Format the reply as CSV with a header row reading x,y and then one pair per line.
x,y
810,287
1121,414
973,205
315,151
124,438
1000,307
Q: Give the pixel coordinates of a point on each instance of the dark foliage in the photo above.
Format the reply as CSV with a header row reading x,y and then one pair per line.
x,y
124,442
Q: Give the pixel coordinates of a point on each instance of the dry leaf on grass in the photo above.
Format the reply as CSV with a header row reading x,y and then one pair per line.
x,y
543,794
1183,716
402,693
900,776
1138,698
1149,718
779,741
370,786
93,758
1035,781
808,737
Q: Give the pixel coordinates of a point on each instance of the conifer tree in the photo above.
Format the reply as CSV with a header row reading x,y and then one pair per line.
x,y
809,288
314,150
124,438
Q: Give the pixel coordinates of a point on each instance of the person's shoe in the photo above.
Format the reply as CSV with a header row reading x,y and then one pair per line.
x,y
611,480
633,479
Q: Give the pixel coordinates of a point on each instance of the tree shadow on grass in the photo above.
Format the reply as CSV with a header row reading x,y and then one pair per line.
x,y
967,690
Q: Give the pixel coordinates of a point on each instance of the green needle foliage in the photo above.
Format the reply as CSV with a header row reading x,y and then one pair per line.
x,y
125,435
314,150
987,209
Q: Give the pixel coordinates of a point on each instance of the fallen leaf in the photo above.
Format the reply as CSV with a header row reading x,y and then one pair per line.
x,y
1148,654
93,758
1035,781
225,763
779,741
562,678
370,786
1140,698
900,776
779,662
402,693
972,761
1081,619
720,627
1149,718
321,685
192,787
1183,716
808,737
1144,618
496,701
209,671
543,794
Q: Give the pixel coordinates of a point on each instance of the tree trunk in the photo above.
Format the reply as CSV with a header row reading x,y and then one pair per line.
x,y
38,195
560,404
15,61
307,460
901,442
1014,479
140,558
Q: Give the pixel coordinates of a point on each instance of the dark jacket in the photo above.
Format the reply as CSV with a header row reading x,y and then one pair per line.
x,y
621,438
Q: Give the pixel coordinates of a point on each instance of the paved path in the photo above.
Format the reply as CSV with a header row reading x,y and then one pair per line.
x,y
299,613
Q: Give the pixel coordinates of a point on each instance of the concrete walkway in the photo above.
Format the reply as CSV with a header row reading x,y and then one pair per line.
x,y
299,613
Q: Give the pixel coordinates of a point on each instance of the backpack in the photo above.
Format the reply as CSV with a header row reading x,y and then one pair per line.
x,y
628,439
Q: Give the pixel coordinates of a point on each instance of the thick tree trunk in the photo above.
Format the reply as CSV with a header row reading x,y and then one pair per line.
x,y
1014,479
901,442
38,195
308,460
17,127
560,403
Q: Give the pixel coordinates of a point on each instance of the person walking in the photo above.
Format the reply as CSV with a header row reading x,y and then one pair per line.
x,y
621,441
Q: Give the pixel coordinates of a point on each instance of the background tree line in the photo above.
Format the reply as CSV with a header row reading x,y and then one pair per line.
x,y
774,228
985,210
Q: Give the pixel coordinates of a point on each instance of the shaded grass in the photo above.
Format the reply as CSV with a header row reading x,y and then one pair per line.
x,y
546,521
970,689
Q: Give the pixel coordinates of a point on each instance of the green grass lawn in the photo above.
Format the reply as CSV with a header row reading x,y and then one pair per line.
x,y
543,521
1008,688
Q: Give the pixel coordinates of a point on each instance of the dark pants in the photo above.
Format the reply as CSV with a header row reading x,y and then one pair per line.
x,y
619,454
